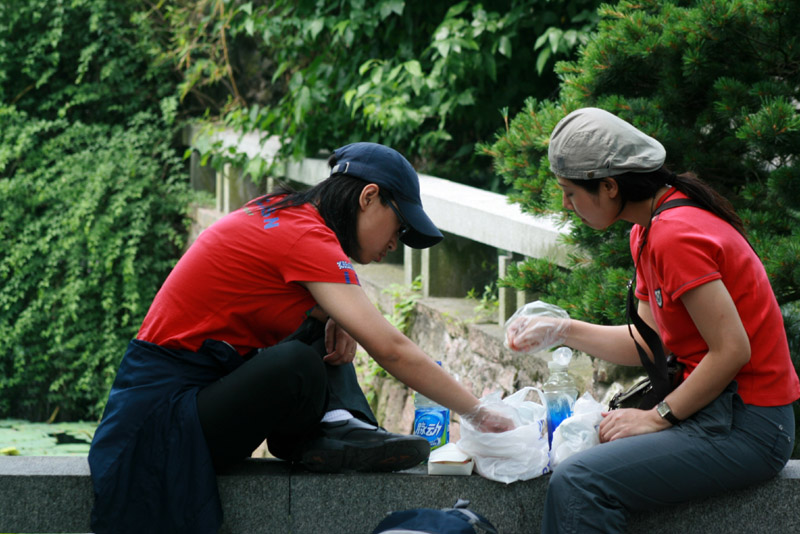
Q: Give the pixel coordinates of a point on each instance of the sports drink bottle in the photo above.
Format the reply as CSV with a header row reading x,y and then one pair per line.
x,y
431,420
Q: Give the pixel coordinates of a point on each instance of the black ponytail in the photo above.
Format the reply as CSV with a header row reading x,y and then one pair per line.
x,y
693,187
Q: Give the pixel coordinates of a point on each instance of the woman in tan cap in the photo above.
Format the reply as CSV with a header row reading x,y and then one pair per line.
x,y
704,296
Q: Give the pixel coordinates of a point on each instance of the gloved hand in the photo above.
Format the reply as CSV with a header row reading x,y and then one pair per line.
x,y
487,420
536,327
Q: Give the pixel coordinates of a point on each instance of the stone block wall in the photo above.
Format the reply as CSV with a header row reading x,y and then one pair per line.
x,y
469,343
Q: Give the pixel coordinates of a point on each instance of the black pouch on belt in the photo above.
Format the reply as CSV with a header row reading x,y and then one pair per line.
x,y
642,395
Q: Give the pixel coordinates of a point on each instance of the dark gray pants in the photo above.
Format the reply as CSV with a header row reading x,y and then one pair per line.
x,y
727,445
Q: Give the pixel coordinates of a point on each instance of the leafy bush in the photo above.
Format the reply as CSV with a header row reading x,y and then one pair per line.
x,y
428,78
717,82
81,60
94,198
92,221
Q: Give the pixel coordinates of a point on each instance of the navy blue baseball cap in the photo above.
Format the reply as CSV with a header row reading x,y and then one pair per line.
x,y
386,167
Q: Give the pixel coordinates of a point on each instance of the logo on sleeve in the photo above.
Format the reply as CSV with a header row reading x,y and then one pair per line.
x,y
347,267
659,298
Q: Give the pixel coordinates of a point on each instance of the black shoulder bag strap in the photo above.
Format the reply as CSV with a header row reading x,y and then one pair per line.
x,y
657,367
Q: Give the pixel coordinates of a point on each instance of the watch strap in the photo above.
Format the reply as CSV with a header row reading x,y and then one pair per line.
x,y
666,412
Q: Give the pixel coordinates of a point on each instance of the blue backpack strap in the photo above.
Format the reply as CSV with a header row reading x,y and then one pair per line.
x,y
476,520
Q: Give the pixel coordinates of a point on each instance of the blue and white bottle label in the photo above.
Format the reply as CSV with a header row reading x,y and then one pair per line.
x,y
432,424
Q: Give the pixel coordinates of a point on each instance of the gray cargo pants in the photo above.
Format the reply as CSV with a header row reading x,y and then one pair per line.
x,y
727,445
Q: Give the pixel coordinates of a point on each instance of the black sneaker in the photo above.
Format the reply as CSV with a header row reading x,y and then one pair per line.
x,y
354,445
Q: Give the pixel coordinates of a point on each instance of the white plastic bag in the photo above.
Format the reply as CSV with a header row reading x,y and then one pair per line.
x,y
519,454
577,432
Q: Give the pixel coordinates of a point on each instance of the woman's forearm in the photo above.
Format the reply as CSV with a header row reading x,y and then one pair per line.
x,y
610,343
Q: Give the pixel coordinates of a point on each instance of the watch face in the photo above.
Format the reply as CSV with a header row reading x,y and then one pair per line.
x,y
665,412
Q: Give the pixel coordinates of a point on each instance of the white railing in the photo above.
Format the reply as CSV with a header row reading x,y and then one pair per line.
x,y
473,214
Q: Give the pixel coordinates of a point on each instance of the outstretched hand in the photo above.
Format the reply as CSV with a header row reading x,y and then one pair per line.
x,y
535,334
487,420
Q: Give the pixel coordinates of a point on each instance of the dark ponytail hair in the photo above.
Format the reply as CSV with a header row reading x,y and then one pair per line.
x,y
638,186
336,198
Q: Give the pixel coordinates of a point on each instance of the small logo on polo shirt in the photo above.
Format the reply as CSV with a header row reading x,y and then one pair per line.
x,y
347,267
659,298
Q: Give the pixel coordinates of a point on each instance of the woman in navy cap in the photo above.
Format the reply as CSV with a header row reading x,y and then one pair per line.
x,y
253,335
704,295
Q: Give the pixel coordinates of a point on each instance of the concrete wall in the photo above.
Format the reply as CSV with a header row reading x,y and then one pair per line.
x,y
53,494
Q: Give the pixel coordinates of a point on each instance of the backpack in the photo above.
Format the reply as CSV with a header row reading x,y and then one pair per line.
x,y
456,520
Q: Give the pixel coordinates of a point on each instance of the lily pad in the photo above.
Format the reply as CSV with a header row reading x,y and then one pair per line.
x,y
19,437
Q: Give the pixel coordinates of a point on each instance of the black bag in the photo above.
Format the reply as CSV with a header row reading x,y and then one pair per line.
x,y
642,395
456,520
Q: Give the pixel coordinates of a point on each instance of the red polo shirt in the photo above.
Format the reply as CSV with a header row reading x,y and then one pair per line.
x,y
688,247
239,281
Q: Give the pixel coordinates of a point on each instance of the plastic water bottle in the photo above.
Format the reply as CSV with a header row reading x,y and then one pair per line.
x,y
560,391
431,420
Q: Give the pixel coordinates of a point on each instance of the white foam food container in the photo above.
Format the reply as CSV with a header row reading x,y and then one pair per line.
x,y
450,460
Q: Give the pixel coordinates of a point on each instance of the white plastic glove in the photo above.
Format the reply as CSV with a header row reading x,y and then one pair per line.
x,y
485,419
536,327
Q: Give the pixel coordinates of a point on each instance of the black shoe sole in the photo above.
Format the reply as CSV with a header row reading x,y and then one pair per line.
x,y
381,458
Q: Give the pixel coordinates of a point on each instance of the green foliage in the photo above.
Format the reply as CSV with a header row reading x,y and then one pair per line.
x,y
487,303
405,300
716,81
424,77
520,155
82,60
94,198
92,221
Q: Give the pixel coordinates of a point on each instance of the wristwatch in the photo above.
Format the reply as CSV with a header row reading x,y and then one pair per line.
x,y
665,412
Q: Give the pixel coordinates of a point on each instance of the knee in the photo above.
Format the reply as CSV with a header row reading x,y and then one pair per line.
x,y
309,364
296,365
570,476
561,476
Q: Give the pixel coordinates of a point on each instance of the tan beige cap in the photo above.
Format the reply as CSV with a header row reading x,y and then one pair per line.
x,y
592,143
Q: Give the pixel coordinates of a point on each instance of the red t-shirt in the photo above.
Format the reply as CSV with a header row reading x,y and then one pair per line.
x,y
238,282
688,247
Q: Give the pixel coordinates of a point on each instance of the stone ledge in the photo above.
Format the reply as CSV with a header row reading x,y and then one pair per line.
x,y
54,494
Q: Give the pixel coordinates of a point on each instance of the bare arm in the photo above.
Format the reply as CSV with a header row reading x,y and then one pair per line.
x,y
716,318
610,343
349,306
